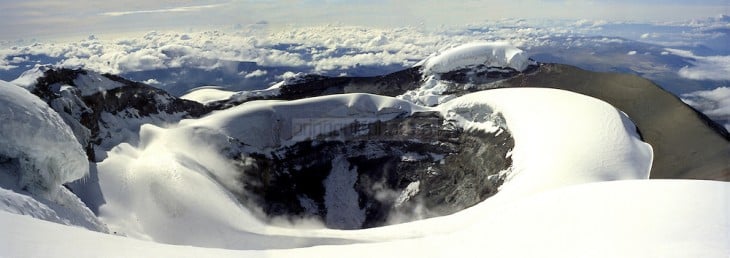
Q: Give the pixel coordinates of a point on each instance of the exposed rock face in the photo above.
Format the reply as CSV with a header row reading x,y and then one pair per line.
x,y
316,85
106,117
409,167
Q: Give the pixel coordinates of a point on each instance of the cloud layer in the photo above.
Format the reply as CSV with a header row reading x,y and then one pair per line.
x,y
714,103
255,56
47,18
704,67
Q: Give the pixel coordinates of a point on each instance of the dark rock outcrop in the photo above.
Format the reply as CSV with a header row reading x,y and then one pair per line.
x,y
415,166
316,85
95,117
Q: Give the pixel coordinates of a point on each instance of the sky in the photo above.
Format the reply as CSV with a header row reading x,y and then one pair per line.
x,y
50,18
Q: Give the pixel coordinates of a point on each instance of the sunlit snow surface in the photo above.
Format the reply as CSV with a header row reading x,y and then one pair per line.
x,y
166,189
491,54
205,95
647,218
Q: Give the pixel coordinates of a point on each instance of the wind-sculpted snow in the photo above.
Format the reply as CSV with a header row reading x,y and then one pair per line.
x,y
489,54
561,138
37,137
266,124
196,176
205,95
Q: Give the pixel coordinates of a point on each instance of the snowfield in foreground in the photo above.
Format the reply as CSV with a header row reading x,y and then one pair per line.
x,y
645,218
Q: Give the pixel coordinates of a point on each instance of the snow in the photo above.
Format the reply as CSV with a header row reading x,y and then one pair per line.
x,y
208,94
13,202
179,180
341,199
173,186
491,54
93,82
28,78
497,56
272,123
177,186
411,190
561,138
63,207
644,218
272,91
38,138
430,93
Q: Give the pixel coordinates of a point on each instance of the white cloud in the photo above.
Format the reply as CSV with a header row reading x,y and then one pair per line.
x,y
168,10
704,67
256,73
330,49
713,103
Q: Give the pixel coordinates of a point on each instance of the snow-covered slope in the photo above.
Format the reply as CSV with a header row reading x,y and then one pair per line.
x,y
648,218
561,137
185,178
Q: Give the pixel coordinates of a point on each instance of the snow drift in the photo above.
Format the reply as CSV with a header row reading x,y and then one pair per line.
x,y
38,138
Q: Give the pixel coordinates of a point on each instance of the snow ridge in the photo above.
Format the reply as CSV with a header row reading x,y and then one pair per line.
x,y
490,54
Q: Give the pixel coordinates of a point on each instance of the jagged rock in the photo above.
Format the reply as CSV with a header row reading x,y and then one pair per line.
x,y
102,116
316,85
410,167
